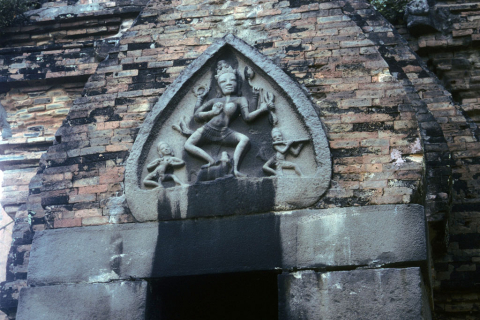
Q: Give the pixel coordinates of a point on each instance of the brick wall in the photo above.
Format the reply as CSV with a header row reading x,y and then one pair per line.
x,y
368,103
44,65
395,133
452,54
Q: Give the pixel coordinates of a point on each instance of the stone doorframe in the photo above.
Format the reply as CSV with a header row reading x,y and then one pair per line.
x,y
374,257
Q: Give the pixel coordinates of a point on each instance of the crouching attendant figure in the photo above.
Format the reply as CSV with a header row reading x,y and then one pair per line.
x,y
159,166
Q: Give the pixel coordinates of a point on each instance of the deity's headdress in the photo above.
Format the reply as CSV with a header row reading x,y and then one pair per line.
x,y
222,68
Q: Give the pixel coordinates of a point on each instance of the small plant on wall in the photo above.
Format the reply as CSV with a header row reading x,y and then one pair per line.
x,y
11,10
392,10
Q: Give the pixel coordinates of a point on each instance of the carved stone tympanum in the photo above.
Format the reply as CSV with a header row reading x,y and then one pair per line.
x,y
232,135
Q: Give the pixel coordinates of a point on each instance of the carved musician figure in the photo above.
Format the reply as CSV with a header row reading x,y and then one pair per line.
x,y
282,147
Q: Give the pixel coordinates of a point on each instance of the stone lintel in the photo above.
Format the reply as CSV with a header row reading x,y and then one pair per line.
x,y
330,238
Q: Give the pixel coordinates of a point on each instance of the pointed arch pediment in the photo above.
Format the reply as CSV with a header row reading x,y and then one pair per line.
x,y
233,134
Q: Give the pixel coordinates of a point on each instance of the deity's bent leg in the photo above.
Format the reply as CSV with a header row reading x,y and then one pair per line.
x,y
239,149
190,146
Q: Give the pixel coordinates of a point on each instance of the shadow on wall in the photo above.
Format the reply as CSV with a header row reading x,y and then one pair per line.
x,y
250,295
6,227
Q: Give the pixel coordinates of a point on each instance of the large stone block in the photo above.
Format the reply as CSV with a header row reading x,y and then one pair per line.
x,y
145,250
118,300
375,235
395,294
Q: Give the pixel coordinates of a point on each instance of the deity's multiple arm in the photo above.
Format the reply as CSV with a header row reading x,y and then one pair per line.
x,y
250,116
201,115
200,92
255,97
200,98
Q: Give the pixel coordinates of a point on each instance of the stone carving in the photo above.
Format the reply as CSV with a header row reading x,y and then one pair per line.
x,y
218,113
222,169
424,16
267,97
225,120
160,165
282,147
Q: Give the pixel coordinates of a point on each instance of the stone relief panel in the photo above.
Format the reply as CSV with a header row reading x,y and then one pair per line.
x,y
232,135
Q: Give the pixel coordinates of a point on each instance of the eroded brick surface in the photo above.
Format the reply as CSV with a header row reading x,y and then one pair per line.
x,y
395,133
452,54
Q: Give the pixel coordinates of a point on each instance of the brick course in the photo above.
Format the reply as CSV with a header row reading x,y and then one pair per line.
x,y
395,133
453,55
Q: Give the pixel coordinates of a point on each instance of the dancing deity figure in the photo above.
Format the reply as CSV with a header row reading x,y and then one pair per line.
x,y
218,113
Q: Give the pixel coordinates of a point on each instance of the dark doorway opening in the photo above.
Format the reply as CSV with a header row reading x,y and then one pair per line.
x,y
252,295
